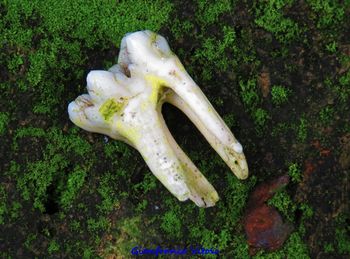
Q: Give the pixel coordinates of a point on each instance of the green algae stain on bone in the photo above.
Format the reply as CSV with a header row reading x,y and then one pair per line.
x,y
156,83
110,107
153,37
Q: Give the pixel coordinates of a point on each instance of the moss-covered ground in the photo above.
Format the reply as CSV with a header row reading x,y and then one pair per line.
x,y
277,71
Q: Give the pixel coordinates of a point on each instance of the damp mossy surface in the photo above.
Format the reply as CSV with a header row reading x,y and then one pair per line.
x,y
277,71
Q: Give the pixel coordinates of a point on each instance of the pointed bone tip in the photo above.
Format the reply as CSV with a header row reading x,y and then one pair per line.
x,y
90,78
76,106
71,107
213,198
209,200
143,33
243,176
97,76
242,173
138,37
74,112
239,167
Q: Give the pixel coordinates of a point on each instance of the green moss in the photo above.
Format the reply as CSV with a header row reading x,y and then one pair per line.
x,y
269,15
343,90
230,120
236,195
241,248
141,206
327,13
171,224
53,40
279,94
340,87
283,202
29,240
181,27
27,132
15,210
260,117
116,148
88,253
280,129
249,94
3,206
332,47
293,248
296,248
4,120
342,239
294,172
109,193
302,129
48,49
53,247
328,248
307,211
217,101
195,231
215,52
57,157
149,183
130,235
74,182
209,12
75,226
96,225
326,115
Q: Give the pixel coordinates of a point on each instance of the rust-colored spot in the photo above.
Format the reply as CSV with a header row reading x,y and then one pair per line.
x,y
263,224
264,83
309,169
316,144
325,152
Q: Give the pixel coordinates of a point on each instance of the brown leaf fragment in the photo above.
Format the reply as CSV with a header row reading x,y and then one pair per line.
x,y
264,83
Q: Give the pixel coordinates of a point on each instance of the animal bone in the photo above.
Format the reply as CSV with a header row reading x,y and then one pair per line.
x,y
125,103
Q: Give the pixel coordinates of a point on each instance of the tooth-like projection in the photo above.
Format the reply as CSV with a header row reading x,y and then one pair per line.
x,y
151,51
125,104
230,151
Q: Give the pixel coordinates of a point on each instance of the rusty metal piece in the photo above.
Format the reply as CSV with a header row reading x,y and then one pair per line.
x,y
263,224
